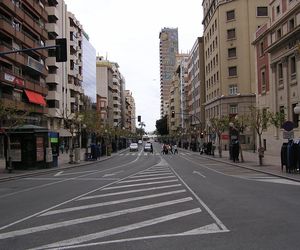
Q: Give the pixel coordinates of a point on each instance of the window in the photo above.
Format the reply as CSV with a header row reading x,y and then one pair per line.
x,y
263,81
295,116
278,9
262,11
232,71
261,49
230,15
280,71
291,24
293,67
278,32
231,34
232,52
233,109
233,89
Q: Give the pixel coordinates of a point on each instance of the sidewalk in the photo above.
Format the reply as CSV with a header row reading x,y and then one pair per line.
x,y
271,164
63,163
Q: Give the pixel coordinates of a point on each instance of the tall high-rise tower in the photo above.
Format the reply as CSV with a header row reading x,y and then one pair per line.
x,y
168,48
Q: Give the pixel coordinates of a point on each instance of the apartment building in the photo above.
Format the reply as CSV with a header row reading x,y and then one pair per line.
x,y
168,48
229,56
23,75
110,82
196,82
177,100
130,112
277,67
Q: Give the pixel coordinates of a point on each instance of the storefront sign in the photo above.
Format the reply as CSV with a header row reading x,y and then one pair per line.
x,y
39,149
13,79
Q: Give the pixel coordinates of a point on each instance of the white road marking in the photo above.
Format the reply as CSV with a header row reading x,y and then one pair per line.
x,y
139,184
71,173
197,172
128,192
203,231
149,179
277,180
112,174
148,175
108,203
69,179
118,230
90,218
218,221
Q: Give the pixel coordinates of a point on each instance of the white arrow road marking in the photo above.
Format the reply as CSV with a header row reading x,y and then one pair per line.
x,y
118,230
149,179
211,228
197,172
82,172
128,192
90,218
112,174
65,210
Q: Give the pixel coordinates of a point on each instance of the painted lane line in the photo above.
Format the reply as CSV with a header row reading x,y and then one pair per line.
x,y
59,173
69,179
82,172
148,175
139,184
156,172
197,172
217,220
118,230
208,229
128,192
108,203
149,179
90,218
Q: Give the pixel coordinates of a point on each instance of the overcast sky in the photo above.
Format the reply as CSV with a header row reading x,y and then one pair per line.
x,y
128,33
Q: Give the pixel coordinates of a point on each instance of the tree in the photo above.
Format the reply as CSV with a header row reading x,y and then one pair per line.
x,y
260,120
14,118
219,125
162,126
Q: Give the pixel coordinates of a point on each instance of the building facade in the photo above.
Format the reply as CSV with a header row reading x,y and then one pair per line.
x,y
277,67
168,48
130,114
230,57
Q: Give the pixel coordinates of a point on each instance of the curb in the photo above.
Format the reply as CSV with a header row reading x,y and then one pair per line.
x,y
54,169
245,167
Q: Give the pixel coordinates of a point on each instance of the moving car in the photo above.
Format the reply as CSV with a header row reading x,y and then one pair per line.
x,y
147,147
140,142
133,147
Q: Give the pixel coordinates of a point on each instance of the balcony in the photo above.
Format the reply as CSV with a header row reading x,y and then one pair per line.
x,y
51,61
53,95
38,8
53,12
52,28
52,78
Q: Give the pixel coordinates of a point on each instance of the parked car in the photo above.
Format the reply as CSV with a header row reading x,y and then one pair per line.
x,y
133,147
147,147
140,142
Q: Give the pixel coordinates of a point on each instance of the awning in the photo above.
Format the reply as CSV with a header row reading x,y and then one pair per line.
x,y
34,97
63,132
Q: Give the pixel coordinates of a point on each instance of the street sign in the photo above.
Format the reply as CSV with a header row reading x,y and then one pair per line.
x,y
288,126
288,134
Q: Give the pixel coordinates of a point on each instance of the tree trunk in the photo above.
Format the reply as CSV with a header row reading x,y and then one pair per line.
x,y
260,151
241,153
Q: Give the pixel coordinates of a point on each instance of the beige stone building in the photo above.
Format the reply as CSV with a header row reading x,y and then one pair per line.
x,y
229,56
278,63
109,92
130,112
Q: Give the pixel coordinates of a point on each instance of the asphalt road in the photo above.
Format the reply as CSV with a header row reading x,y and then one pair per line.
x,y
151,201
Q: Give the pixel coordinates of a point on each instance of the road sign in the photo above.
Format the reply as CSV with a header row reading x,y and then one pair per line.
x,y
288,134
288,126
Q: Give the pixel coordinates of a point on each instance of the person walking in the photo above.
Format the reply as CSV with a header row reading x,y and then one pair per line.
x,y
175,151
151,150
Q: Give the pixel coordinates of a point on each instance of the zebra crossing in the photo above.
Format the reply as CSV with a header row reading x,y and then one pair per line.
x,y
148,154
142,204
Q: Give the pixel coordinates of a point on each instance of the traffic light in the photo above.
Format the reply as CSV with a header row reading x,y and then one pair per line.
x,y
61,49
139,118
173,114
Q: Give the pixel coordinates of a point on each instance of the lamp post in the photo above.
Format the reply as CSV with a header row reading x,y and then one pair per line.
x,y
72,128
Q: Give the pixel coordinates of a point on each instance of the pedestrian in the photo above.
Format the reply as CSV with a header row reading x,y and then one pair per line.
x,y
62,147
151,150
175,149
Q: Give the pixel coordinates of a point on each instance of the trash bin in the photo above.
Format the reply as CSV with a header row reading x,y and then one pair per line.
x,y
283,154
